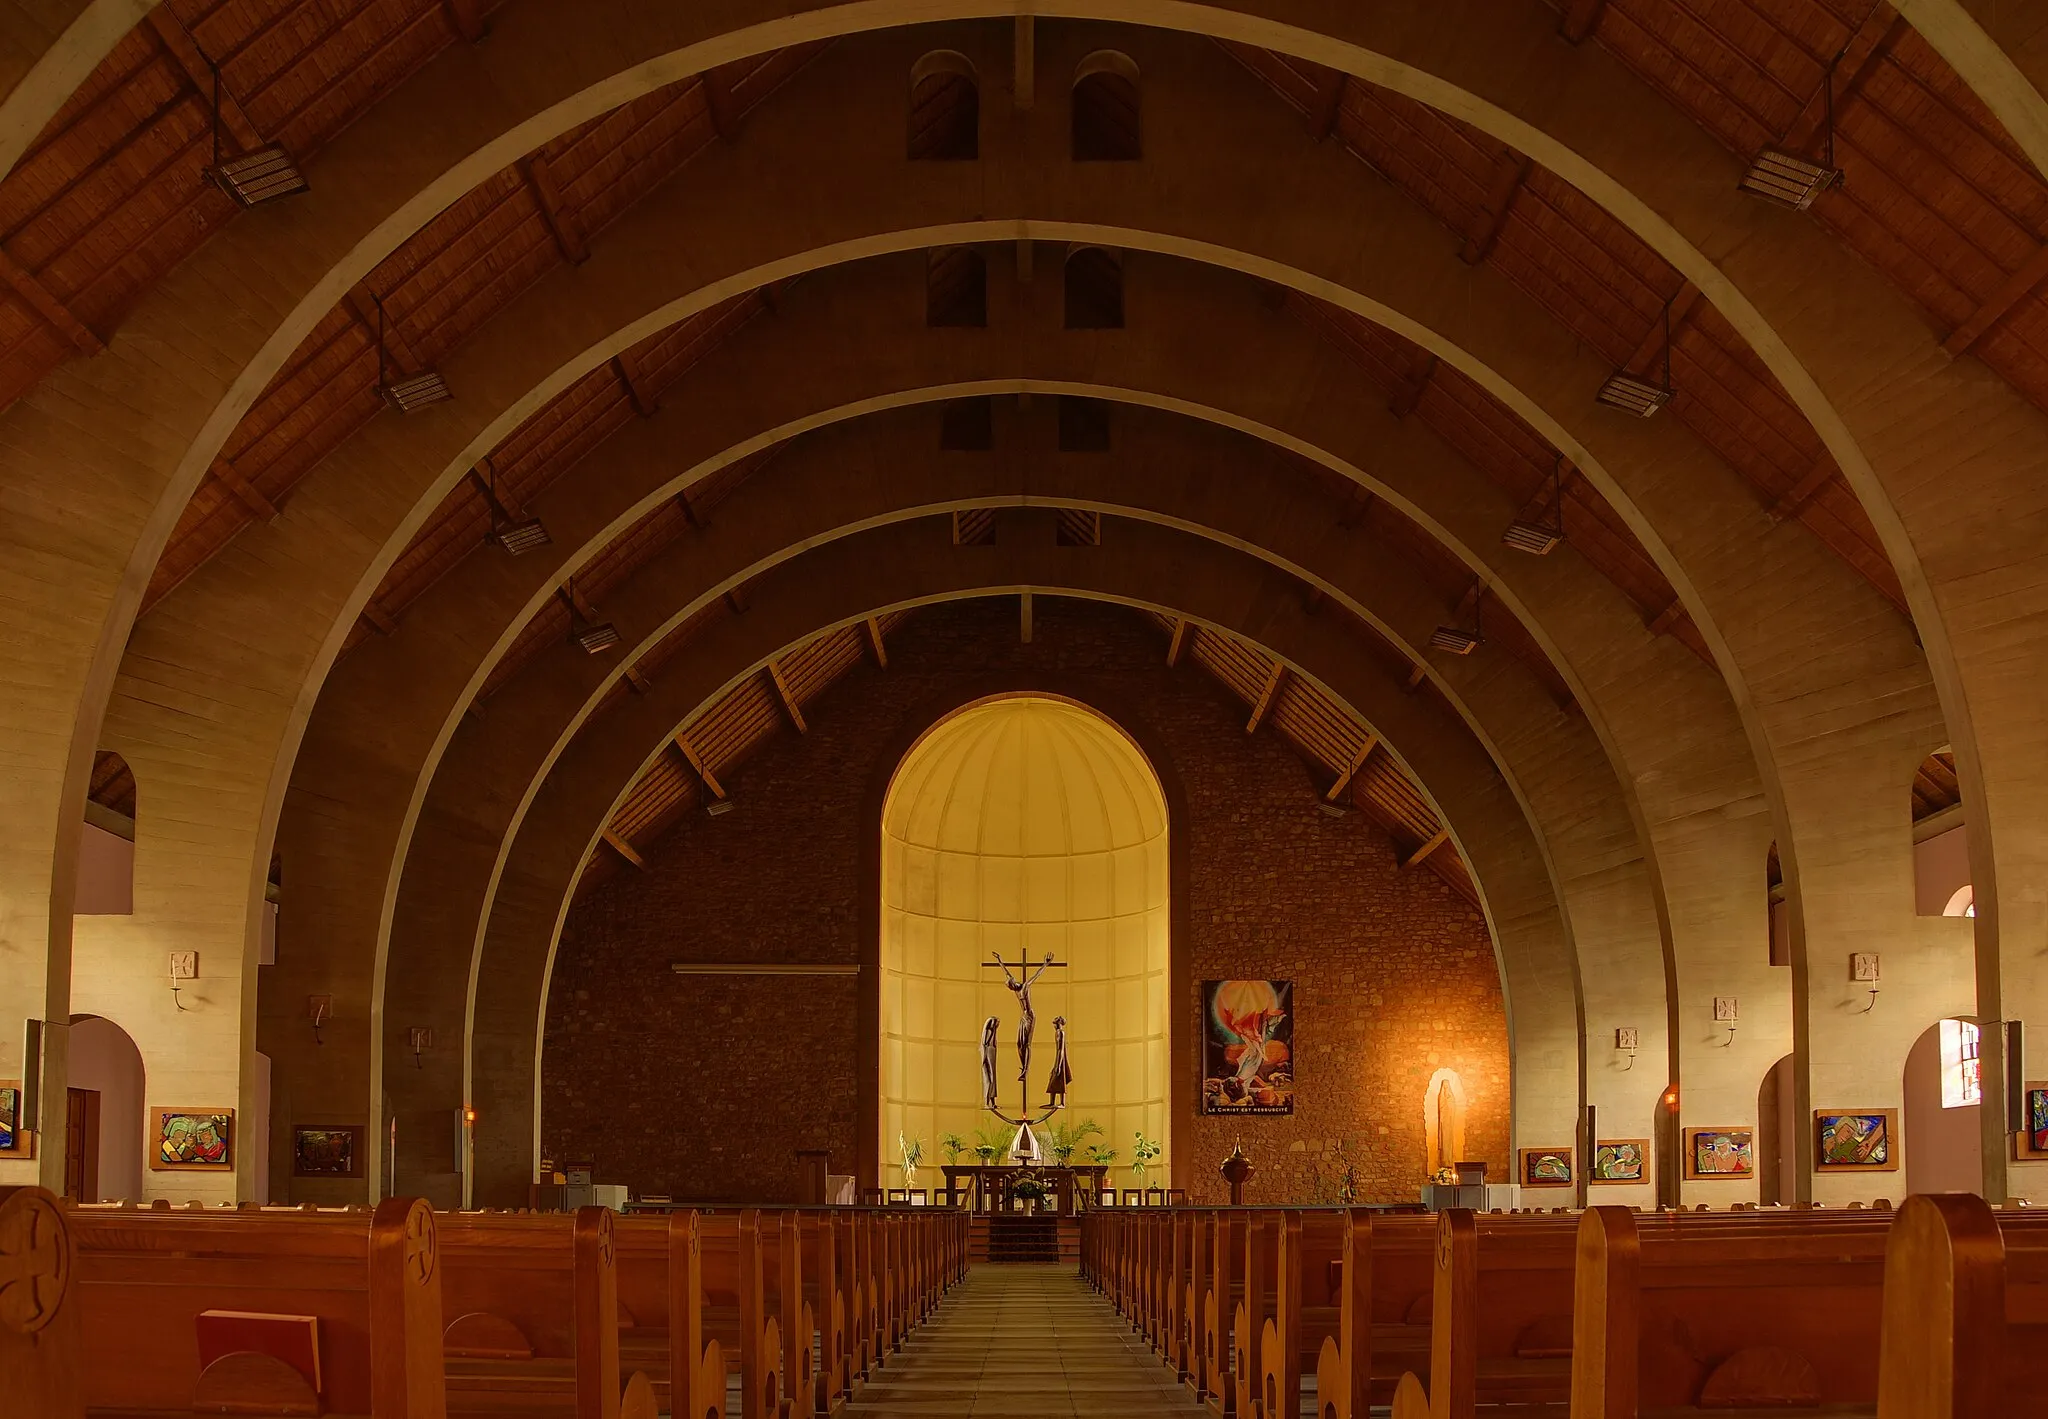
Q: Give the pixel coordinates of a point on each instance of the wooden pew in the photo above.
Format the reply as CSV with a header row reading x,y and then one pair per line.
x,y
371,1280
39,1307
1679,1311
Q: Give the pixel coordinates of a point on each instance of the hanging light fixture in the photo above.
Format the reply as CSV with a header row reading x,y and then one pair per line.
x,y
411,392
515,536
1790,180
253,178
591,637
1456,639
1633,395
1540,539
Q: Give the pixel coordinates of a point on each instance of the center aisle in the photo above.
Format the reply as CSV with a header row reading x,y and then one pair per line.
x,y
1023,1342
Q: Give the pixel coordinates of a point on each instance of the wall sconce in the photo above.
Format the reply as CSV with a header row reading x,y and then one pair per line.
x,y
1627,1038
318,1009
1863,967
184,967
1725,1014
419,1037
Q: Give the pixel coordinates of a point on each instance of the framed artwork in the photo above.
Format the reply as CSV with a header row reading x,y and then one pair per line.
x,y
327,1150
1544,1167
1247,1047
1866,1142
192,1140
1716,1154
15,1141
1620,1160
2033,1139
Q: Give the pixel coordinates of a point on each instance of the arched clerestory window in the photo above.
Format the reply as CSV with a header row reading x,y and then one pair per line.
x,y
1107,109
945,108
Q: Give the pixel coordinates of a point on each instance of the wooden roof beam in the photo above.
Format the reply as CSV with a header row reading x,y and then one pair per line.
x,y
380,620
1661,623
246,492
2016,288
1429,845
637,679
1404,400
1183,633
178,42
789,704
1417,673
51,311
646,403
1356,767
1508,179
396,350
1023,63
1264,704
1356,508
466,18
1549,495
573,594
1580,19
1845,74
1652,343
562,223
721,106
1328,104
625,850
875,645
698,766
1801,493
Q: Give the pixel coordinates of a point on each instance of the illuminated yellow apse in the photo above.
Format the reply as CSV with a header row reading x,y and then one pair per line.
x,y
1023,825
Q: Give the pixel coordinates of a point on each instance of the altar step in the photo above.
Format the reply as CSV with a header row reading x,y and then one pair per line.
x,y
1019,1236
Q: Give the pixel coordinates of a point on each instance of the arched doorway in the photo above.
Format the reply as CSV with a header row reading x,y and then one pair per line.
x,y
1777,1134
1944,1098
103,1114
1023,825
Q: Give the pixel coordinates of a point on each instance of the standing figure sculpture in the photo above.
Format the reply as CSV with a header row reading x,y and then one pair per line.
x,y
1062,1073
1027,1022
988,1064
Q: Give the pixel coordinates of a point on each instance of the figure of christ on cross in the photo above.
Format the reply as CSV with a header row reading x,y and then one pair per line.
x,y
1027,1019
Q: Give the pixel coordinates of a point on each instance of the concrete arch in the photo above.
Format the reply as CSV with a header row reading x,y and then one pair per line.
x,y
362,778
885,469
915,562
1569,388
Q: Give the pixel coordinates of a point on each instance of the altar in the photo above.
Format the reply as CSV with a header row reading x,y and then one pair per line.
x,y
987,1185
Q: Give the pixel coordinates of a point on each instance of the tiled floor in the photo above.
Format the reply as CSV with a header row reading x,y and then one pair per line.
x,y
1023,1342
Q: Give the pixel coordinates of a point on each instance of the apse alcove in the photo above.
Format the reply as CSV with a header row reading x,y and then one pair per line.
x,y
1023,825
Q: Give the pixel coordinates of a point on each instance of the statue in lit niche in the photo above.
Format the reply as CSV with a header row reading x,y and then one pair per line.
x,y
1025,1146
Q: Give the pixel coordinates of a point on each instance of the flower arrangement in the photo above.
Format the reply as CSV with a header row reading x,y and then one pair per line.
x,y
1447,1177
990,1140
1143,1151
1029,1188
952,1145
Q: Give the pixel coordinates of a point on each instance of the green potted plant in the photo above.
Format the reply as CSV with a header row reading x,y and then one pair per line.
x,y
1143,1151
1062,1139
952,1145
989,1140
1029,1189
913,1154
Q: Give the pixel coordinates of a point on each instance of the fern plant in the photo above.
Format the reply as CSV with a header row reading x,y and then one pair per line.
x,y
1062,1139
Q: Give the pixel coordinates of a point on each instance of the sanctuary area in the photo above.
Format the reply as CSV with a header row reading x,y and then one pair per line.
x,y
1283,709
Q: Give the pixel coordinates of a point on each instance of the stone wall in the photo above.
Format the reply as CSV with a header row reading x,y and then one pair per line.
x,y
705,1087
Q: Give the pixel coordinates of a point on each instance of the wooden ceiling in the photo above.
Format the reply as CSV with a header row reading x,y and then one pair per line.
x,y
1936,196
699,765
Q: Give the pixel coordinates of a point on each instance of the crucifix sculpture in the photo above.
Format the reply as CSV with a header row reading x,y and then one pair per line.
x,y
1020,982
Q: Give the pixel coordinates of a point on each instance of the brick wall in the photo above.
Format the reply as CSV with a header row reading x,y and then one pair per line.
x,y
706,1086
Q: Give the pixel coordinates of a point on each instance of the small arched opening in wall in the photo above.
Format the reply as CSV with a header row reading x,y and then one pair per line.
x,y
1777,1137
1443,1120
1941,839
102,1133
1107,109
955,288
945,109
1094,289
1944,1098
106,852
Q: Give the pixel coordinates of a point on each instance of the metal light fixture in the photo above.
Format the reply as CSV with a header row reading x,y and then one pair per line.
x,y
1633,395
252,179
515,536
414,391
592,637
1456,639
718,807
1790,180
319,1009
1540,539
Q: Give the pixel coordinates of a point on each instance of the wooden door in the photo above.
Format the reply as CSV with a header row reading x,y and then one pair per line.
x,y
82,1145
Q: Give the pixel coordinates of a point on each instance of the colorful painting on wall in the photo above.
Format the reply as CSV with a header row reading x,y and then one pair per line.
x,y
1248,1047
1866,1142
2034,1141
327,1150
193,1140
1619,1160
1545,1167
1717,1154
15,1141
